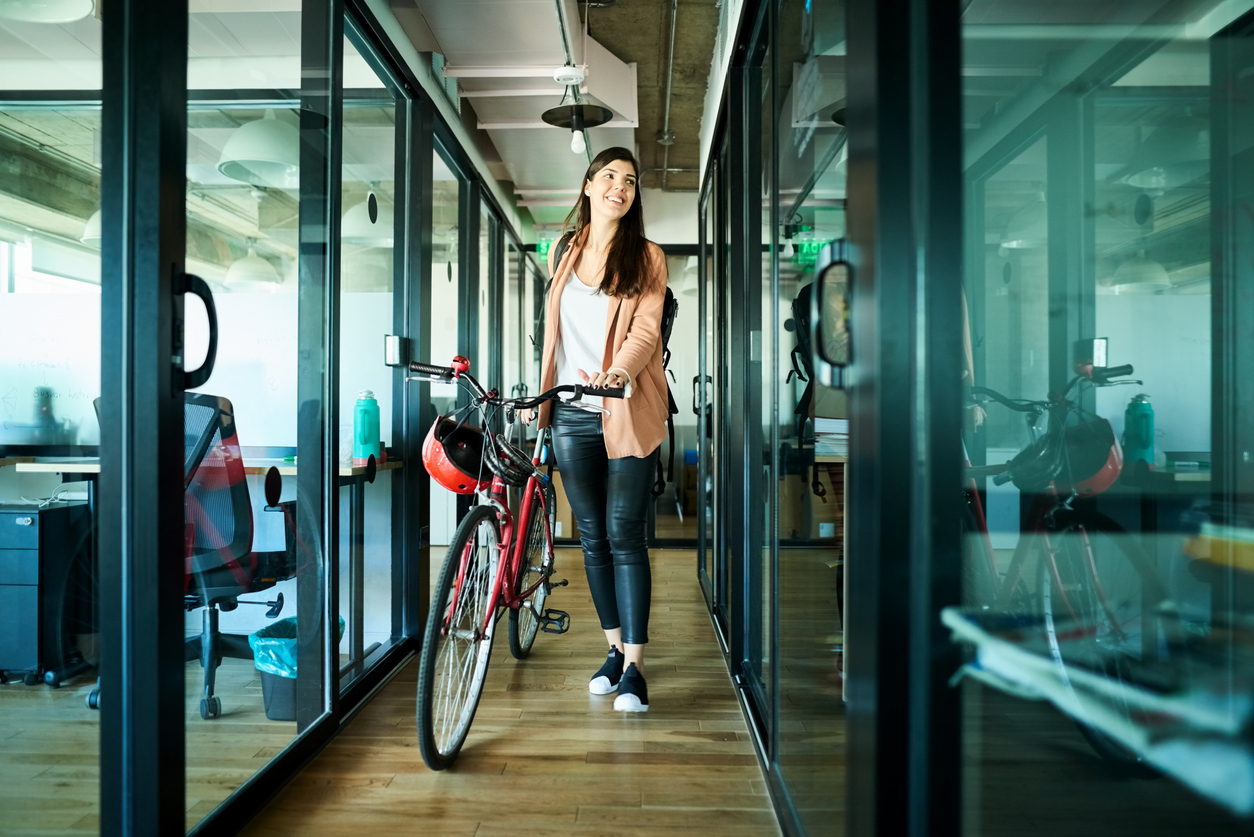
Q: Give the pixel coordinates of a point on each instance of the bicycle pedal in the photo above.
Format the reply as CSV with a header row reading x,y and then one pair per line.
x,y
561,583
555,621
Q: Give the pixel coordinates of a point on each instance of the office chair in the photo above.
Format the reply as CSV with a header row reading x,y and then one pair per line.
x,y
220,564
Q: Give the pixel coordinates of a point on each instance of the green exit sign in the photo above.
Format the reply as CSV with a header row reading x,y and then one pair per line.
x,y
806,253
542,247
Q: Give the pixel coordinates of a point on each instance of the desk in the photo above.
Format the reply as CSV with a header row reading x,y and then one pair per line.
x,y
355,477
14,460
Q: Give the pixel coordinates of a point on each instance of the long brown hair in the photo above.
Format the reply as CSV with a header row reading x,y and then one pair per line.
x,y
627,260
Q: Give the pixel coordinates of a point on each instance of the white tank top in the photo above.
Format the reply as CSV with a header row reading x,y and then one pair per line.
x,y
582,312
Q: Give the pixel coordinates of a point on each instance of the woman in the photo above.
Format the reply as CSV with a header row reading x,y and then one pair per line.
x,y
604,329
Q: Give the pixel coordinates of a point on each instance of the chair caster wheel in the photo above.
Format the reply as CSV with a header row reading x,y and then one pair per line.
x,y
210,708
93,699
31,678
4,677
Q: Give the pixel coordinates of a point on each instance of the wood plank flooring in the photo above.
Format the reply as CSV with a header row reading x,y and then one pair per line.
x,y
50,750
544,757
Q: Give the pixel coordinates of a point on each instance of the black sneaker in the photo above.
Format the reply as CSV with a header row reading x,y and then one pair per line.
x,y
607,677
633,692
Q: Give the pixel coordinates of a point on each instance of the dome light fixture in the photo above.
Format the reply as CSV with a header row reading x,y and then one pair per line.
x,y
46,11
1175,154
368,224
92,235
252,273
263,152
1139,275
572,113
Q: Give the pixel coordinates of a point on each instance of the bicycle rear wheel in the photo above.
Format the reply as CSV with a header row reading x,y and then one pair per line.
x,y
456,647
1099,595
537,564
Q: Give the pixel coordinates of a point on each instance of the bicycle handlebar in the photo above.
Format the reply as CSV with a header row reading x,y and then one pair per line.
x,y
1098,375
428,369
450,373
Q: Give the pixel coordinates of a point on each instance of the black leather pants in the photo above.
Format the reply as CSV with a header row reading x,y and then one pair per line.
x,y
610,501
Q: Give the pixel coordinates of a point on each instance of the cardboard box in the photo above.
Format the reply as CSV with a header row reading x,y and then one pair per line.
x,y
564,520
805,516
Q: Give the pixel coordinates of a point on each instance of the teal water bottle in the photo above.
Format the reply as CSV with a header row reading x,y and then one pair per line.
x,y
365,428
1138,430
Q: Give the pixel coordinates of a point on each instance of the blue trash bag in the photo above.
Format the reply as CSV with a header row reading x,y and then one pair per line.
x,y
274,647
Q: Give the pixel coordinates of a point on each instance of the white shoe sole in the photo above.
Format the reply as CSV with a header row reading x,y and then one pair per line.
x,y
602,686
629,703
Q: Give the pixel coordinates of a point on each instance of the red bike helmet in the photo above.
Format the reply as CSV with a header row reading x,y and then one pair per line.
x,y
453,455
1095,457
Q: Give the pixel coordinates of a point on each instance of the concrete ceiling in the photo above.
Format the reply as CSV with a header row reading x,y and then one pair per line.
x,y
510,35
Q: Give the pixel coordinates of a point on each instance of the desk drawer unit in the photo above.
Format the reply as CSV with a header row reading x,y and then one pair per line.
x,y
40,583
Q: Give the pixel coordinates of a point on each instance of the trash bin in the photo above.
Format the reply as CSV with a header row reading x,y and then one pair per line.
x,y
274,655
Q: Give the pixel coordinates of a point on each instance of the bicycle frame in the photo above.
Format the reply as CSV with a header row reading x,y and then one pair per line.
x,y
510,548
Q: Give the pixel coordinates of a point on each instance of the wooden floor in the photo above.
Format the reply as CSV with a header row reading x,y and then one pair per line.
x,y
50,750
544,757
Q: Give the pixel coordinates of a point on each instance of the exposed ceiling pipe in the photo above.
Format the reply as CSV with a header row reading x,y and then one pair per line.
x,y
570,58
667,136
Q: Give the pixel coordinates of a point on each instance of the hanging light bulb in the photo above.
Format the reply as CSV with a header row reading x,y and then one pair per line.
x,y
572,113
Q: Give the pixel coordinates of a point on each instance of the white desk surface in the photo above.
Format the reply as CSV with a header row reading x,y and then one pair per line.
x,y
91,465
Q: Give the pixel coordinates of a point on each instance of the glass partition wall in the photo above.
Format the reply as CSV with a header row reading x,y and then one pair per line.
x,y
50,315
1107,180
303,210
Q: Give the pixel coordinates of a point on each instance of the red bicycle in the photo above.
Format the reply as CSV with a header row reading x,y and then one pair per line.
x,y
488,569
1076,580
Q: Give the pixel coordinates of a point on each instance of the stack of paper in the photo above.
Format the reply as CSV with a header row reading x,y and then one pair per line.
x,y
831,437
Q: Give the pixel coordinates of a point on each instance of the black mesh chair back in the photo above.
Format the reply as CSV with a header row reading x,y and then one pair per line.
x,y
217,511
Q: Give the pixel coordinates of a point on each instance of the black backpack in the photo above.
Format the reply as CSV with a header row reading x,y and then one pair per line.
x,y
802,368
670,307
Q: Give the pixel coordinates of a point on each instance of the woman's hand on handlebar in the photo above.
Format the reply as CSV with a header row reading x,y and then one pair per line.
x,y
610,380
526,416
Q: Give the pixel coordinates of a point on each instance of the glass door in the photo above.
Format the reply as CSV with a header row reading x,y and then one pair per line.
x,y
368,278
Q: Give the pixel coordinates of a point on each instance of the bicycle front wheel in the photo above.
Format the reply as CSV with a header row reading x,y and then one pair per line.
x,y
1100,597
537,565
457,646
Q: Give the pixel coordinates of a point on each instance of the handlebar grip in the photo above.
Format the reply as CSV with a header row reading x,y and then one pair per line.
x,y
605,392
428,369
1102,373
1002,478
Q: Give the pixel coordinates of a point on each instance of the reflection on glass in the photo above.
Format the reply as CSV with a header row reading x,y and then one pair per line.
x,y
811,420
50,174
443,320
367,270
243,556
512,352
1105,540
489,275
675,514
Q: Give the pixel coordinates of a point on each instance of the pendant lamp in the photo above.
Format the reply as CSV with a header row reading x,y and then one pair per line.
x,y
263,152
91,231
368,224
1175,154
572,113
1139,275
252,273
46,11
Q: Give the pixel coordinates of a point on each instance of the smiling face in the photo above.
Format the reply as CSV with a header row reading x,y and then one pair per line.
x,y
612,190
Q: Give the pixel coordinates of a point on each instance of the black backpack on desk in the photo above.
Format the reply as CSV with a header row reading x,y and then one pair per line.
x,y
670,307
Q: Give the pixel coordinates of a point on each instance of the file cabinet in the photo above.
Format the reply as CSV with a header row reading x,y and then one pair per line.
x,y
45,586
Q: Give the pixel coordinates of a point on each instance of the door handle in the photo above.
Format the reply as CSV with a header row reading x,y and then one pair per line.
x,y
193,284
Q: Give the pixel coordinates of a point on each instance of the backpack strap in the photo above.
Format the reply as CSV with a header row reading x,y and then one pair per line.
x,y
560,248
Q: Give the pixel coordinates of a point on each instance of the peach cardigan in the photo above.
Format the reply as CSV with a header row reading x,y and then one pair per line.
x,y
636,425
